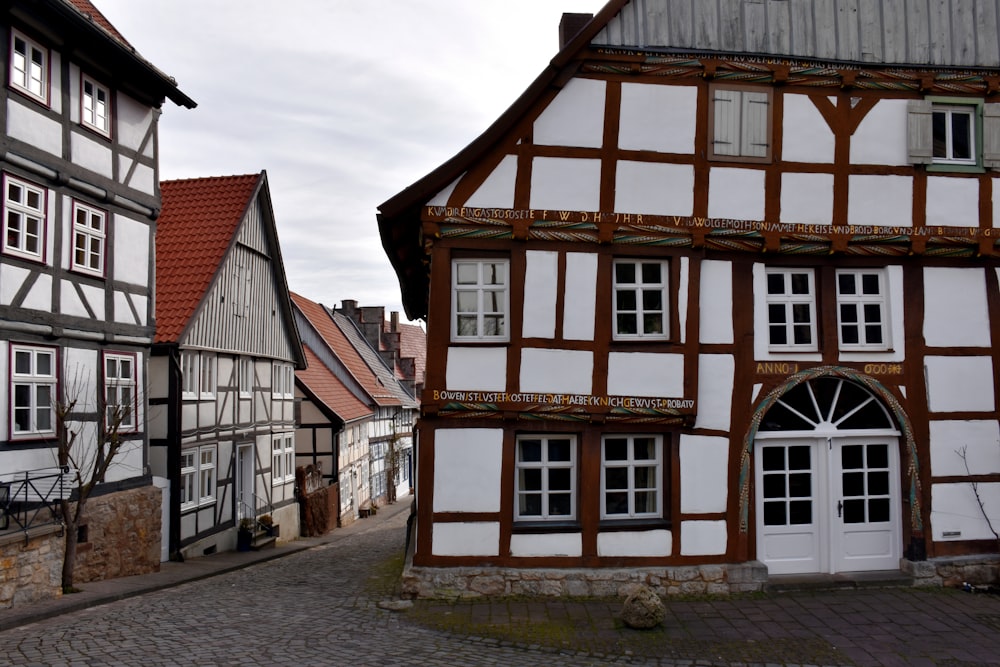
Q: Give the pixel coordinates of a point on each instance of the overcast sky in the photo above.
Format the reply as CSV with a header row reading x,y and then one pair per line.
x,y
343,102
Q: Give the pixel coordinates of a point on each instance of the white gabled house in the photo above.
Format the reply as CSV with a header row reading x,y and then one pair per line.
x,y
79,189
222,373
720,290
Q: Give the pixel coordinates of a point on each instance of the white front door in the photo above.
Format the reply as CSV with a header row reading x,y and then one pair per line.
x,y
827,504
244,482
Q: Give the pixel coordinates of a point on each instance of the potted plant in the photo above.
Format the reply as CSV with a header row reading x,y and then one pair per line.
x,y
266,522
244,535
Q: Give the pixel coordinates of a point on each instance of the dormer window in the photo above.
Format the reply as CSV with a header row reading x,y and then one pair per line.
x,y
29,68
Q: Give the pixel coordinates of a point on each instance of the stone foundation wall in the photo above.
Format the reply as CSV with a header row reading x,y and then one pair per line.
x,y
953,572
466,582
31,570
123,535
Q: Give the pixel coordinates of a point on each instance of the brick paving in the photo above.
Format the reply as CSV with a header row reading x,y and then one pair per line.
x,y
319,605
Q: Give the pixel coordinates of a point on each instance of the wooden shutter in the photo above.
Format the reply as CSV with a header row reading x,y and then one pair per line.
x,y
756,112
920,131
726,106
991,136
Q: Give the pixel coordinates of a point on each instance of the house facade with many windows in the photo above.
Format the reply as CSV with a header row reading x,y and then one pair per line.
x,y
222,372
718,291
80,196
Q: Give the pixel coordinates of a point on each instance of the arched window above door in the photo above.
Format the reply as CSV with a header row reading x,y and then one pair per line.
x,y
827,404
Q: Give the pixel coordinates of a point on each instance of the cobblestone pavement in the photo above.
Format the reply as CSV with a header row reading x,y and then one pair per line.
x,y
321,607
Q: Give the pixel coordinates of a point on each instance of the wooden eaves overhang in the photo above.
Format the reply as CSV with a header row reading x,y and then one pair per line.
x,y
85,40
407,226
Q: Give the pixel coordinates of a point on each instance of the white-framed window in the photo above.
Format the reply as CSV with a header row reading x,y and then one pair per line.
x,y
282,380
24,218
198,477
29,67
189,375
206,474
283,459
545,478
89,238
32,390
95,101
120,391
189,476
741,123
631,476
206,382
640,299
954,133
862,309
246,377
480,299
791,309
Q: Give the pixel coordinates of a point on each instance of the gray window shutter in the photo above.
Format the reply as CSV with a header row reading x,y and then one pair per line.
x,y
991,136
726,140
920,131
756,112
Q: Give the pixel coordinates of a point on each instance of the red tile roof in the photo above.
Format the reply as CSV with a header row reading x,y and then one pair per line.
x,y
412,344
199,219
87,8
341,347
325,386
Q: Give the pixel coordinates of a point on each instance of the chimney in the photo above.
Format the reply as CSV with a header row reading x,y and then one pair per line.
x,y
570,26
394,321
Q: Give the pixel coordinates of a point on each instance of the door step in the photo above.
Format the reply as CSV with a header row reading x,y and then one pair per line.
x,y
787,583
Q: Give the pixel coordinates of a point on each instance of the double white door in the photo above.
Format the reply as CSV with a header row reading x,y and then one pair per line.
x,y
828,504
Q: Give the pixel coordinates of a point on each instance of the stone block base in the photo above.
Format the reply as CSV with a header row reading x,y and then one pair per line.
x,y
471,582
954,571
31,565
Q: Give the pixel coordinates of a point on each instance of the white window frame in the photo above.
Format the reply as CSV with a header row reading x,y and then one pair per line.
x,y
28,216
791,303
120,387
89,239
207,384
41,418
207,485
199,477
282,380
282,459
631,464
189,479
859,301
95,113
29,67
947,112
189,375
740,124
479,290
246,377
545,466
639,289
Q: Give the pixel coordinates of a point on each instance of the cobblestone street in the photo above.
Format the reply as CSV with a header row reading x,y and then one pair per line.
x,y
321,607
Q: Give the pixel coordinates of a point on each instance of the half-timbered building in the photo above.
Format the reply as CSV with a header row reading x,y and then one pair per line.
x,y
718,291
80,197
222,372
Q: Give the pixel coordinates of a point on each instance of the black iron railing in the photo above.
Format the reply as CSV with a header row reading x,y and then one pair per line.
x,y
30,498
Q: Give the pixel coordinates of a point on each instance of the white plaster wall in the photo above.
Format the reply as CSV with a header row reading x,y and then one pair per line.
x,y
656,189
760,348
39,297
575,117
11,278
142,178
956,312
807,198
715,303
894,308
703,538
71,304
806,137
636,544
955,307
476,368
881,136
498,188
716,373
959,384
467,463
81,372
541,279
466,539
704,474
123,311
132,122
736,193
441,198
581,296
555,544
90,154
880,200
556,371
28,125
131,256
952,202
658,118
684,280
979,438
954,509
646,374
570,184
